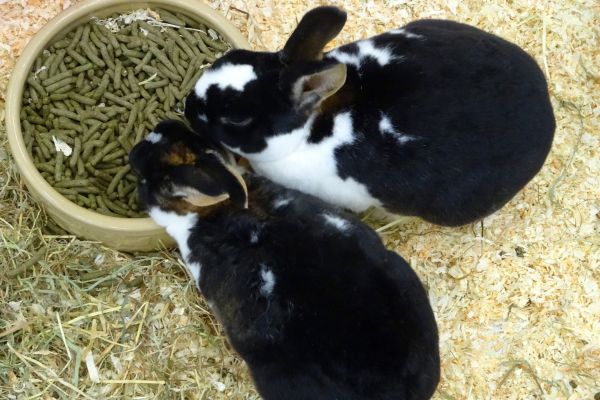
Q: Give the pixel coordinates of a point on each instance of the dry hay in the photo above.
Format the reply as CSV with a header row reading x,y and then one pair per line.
x,y
517,298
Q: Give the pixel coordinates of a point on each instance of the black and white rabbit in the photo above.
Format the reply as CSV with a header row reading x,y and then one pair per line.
x,y
437,119
307,294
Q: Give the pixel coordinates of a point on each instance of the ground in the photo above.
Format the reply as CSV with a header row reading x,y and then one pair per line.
x,y
517,297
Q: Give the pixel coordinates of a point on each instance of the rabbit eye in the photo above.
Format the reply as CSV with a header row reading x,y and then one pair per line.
x,y
236,121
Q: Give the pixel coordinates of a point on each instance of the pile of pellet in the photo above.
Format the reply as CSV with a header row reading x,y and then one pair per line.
x,y
96,92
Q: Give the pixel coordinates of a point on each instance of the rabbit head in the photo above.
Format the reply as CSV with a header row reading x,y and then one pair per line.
x,y
247,97
180,172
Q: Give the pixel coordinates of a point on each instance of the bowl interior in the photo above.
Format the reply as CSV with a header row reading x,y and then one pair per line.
x,y
116,232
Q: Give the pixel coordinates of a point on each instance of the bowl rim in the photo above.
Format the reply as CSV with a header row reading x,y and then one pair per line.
x,y
48,196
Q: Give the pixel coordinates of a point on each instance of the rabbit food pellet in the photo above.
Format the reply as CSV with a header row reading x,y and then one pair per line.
x,y
93,94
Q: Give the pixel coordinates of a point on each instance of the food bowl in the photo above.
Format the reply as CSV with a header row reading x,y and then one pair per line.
x,y
127,234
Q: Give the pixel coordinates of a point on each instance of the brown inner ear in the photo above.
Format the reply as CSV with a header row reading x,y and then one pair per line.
x,y
311,90
202,200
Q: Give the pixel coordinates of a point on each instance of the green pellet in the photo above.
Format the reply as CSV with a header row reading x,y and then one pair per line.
x,y
115,99
76,38
117,178
174,37
58,166
114,110
170,18
65,113
82,99
63,89
106,57
86,190
89,53
161,94
123,38
72,183
46,168
101,89
104,151
117,74
61,105
53,67
116,208
201,45
75,155
65,191
121,190
215,44
107,135
192,82
79,81
156,84
147,57
96,39
162,58
90,131
191,41
81,168
56,78
111,38
83,68
133,53
117,154
188,21
34,83
131,96
156,39
65,123
89,146
83,201
134,85
77,57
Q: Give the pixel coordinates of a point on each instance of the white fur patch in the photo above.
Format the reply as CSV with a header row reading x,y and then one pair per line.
x,y
202,117
346,58
338,222
234,76
386,127
366,48
195,269
177,226
254,236
383,56
154,137
280,145
268,279
405,33
311,167
281,202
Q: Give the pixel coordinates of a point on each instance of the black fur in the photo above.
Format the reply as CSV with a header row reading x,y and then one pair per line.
x,y
477,104
346,318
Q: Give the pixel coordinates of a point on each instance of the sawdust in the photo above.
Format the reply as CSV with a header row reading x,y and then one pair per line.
x,y
517,298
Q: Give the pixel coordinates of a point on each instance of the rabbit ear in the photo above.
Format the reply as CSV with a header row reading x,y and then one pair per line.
x,y
308,91
315,30
208,185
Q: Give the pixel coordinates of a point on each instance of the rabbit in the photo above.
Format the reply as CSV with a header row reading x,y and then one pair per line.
x,y
437,119
307,294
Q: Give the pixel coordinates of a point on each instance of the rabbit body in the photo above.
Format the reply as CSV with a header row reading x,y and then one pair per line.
x,y
313,302
437,119
307,294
